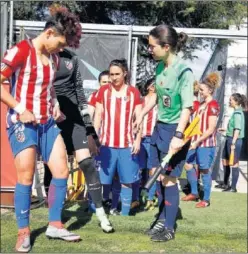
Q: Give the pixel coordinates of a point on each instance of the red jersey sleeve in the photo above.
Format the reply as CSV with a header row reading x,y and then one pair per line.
x,y
100,94
137,97
92,99
196,105
213,108
13,59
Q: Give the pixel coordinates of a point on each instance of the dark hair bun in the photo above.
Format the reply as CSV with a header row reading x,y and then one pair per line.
x,y
182,38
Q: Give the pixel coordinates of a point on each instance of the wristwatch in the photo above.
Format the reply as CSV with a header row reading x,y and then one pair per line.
x,y
179,134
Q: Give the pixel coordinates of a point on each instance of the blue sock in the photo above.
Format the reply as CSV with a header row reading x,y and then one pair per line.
x,y
152,192
106,191
56,198
22,204
161,206
171,205
235,177
116,190
126,198
207,183
135,188
192,178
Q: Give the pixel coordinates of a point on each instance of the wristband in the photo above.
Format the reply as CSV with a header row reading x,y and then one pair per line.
x,y
179,134
233,143
19,108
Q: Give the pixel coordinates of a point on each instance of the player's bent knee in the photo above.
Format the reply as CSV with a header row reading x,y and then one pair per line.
x,y
88,167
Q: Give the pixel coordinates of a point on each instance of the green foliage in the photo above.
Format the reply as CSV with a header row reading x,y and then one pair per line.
x,y
205,14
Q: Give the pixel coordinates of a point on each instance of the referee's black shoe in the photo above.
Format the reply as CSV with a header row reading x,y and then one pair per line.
x,y
163,236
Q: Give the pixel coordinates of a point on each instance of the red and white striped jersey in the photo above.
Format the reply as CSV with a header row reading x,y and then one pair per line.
x,y
31,81
118,113
196,105
150,119
92,99
212,109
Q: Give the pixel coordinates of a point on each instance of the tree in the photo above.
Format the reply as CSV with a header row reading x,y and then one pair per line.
x,y
196,14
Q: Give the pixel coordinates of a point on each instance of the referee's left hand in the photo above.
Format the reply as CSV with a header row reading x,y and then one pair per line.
x,y
176,144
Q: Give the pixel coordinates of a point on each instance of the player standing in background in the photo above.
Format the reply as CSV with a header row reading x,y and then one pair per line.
x,y
202,149
103,79
144,155
117,104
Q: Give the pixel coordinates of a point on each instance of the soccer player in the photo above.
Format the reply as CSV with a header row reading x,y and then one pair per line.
x,y
77,129
118,103
30,66
202,149
148,126
174,96
103,79
235,134
189,173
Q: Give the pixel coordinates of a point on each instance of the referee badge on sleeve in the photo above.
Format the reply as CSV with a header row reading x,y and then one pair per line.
x,y
167,101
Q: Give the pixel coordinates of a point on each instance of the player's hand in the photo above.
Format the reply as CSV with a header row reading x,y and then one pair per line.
x,y
27,117
194,145
232,147
176,144
61,118
136,147
137,124
56,112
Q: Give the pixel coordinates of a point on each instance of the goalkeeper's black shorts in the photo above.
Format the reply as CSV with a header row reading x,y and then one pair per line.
x,y
74,135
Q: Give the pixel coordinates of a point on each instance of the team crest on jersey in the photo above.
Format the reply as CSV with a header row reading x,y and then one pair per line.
x,y
19,128
167,101
126,98
214,111
68,65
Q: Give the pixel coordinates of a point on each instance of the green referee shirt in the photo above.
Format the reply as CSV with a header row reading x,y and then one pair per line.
x,y
174,90
237,121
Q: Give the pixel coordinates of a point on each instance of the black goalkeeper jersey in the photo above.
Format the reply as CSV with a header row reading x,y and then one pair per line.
x,y
68,84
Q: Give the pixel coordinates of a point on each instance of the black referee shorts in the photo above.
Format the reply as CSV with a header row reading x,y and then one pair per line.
x,y
74,135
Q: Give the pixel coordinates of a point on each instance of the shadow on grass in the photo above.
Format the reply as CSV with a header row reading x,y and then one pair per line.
x,y
36,233
82,217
